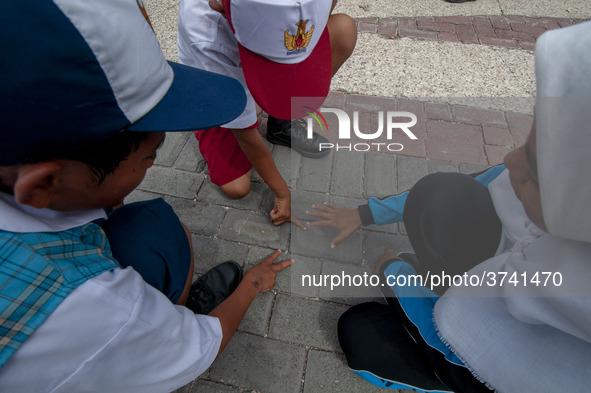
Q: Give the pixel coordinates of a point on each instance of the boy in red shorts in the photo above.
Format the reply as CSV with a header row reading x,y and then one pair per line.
x,y
277,51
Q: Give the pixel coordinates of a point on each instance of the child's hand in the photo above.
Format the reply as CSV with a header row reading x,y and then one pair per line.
x,y
262,276
386,256
346,220
282,212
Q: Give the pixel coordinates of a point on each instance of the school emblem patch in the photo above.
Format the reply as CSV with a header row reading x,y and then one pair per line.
x,y
298,42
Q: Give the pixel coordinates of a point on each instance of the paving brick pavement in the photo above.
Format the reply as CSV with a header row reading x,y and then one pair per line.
x,y
512,31
287,341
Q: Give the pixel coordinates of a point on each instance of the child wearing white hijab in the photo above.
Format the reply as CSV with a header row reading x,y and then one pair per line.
x,y
532,334
538,338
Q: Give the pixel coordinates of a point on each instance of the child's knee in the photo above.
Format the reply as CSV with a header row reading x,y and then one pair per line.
x,y
343,34
237,188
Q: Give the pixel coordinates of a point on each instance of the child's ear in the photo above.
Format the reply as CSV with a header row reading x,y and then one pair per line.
x,y
35,184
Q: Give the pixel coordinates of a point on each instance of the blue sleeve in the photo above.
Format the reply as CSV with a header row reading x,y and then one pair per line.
x,y
389,210
486,177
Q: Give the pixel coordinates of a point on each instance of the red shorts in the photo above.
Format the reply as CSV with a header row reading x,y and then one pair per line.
x,y
223,155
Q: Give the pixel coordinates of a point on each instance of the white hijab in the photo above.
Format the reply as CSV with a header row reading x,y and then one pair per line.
x,y
521,339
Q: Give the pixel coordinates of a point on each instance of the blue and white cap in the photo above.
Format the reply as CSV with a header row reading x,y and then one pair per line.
x,y
73,72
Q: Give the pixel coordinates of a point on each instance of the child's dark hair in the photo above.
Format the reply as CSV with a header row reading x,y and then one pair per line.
x,y
105,156
101,157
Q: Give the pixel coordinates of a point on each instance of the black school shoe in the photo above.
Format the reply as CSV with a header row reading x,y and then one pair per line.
x,y
214,287
293,134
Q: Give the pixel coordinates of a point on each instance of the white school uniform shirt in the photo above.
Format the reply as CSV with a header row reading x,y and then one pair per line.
x,y
206,42
114,333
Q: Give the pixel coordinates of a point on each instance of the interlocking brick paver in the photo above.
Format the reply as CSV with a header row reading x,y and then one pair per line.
x,y
510,35
520,126
500,22
315,174
167,181
302,201
468,168
442,166
483,26
203,219
346,284
291,280
306,322
168,153
253,362
447,150
438,111
358,102
528,28
496,154
258,314
494,30
365,27
253,228
315,242
267,202
508,43
388,27
466,34
190,159
416,33
410,170
335,99
448,37
436,26
208,386
456,20
454,132
498,136
417,109
209,252
348,165
478,116
327,371
407,23
530,46
380,174
350,203
288,164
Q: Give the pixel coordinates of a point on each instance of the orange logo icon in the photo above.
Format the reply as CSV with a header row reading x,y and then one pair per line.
x,y
301,39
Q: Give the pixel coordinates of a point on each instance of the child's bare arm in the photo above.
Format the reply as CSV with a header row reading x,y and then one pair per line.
x,y
260,157
258,278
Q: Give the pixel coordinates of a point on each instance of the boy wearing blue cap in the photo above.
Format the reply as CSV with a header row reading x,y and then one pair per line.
x,y
89,307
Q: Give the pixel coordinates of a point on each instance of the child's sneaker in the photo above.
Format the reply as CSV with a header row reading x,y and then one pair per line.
x,y
293,134
214,287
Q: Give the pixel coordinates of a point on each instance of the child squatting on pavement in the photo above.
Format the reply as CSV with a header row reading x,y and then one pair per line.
x,y
525,221
91,302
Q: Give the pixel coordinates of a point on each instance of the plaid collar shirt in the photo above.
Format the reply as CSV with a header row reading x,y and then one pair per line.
x,y
39,270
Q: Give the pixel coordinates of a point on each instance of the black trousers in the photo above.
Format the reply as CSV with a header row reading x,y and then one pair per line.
x,y
452,225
